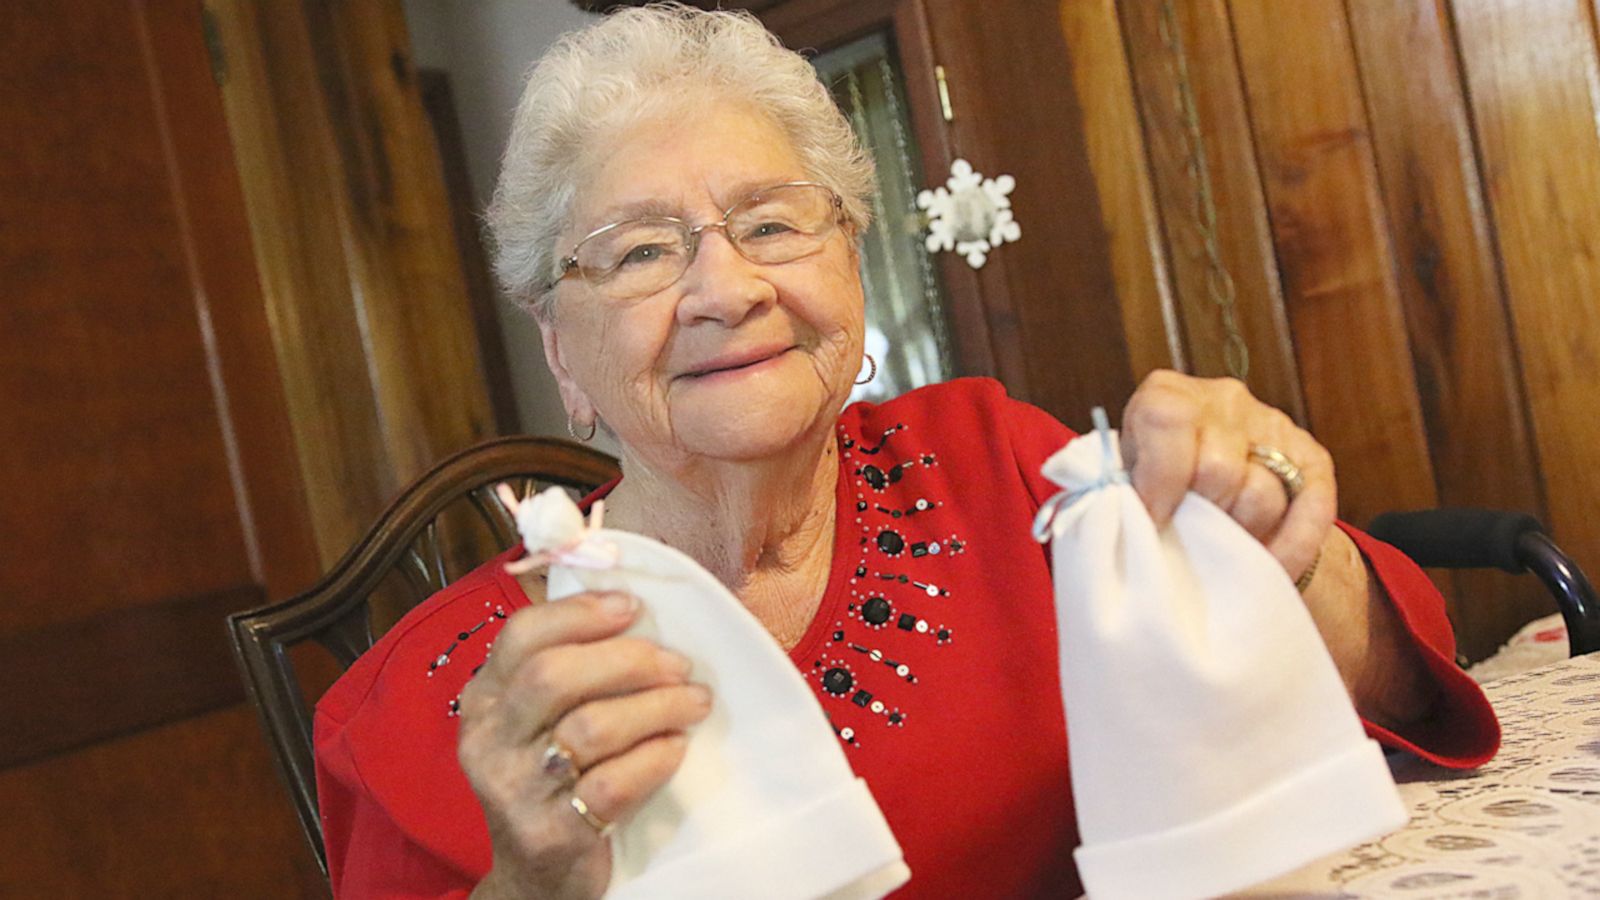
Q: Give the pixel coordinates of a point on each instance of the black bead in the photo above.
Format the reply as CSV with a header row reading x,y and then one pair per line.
x,y
875,477
890,542
919,549
944,634
861,571
876,610
838,635
462,636
861,506
896,472
861,699
894,718
907,622
837,681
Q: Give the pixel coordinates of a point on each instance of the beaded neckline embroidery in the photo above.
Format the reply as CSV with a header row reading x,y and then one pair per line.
x,y
899,598
898,605
495,615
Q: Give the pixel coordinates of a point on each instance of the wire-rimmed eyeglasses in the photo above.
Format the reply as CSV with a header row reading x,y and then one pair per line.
x,y
637,257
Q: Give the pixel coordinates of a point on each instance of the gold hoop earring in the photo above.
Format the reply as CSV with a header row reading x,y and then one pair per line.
x,y
871,374
584,438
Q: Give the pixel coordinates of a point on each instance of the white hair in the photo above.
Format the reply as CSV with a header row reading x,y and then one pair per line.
x,y
626,69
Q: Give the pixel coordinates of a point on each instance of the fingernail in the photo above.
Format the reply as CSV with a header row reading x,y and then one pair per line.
x,y
675,663
619,604
702,694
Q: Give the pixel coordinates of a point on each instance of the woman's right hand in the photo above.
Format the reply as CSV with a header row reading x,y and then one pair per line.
x,y
560,672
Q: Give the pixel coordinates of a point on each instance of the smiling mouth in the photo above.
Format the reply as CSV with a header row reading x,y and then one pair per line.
x,y
734,367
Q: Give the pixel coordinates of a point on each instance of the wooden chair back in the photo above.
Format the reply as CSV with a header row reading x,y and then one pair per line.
x,y
444,524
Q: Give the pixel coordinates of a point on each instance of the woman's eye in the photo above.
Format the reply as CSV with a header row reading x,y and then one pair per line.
x,y
768,229
642,254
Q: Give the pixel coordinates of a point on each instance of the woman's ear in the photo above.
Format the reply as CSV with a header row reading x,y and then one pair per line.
x,y
580,411
853,239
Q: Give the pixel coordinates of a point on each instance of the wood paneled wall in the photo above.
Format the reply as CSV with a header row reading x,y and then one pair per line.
x,y
1398,198
149,483
1406,202
353,236
233,320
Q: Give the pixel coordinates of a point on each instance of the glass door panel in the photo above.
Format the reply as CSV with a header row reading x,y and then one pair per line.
x,y
906,331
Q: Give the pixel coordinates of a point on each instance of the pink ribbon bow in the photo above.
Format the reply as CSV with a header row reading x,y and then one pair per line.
x,y
583,550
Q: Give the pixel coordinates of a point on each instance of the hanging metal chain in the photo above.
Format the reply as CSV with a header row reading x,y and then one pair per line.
x,y
1219,284
858,122
932,297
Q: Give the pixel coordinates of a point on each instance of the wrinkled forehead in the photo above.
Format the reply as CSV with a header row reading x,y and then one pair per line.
x,y
690,164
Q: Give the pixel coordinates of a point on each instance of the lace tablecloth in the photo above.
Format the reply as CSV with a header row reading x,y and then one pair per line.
x,y
1525,825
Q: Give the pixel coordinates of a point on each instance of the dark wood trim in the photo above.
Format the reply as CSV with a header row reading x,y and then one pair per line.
x,y
274,513
603,6
825,24
294,203
439,103
971,339
1050,301
818,25
70,684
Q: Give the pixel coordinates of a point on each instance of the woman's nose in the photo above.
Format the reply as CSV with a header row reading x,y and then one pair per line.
x,y
720,284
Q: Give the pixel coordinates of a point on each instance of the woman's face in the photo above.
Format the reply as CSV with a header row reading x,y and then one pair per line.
x,y
735,360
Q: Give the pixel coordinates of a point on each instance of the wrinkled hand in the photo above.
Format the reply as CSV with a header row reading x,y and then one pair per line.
x,y
1181,433
620,705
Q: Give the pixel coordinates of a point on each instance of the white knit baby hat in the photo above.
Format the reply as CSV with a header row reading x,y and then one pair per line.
x,y
1213,745
764,804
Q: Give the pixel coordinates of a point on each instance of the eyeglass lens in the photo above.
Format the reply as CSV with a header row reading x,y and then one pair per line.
x,y
772,226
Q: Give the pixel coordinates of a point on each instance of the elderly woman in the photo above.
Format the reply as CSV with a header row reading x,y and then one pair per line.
x,y
680,208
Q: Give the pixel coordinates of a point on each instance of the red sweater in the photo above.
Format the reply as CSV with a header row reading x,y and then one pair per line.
x,y
933,651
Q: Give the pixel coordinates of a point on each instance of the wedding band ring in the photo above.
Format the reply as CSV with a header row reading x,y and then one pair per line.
x,y
1278,464
600,826
1304,581
557,762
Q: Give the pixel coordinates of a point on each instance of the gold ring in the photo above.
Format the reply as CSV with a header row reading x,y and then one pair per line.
x,y
557,762
1283,467
600,826
1304,581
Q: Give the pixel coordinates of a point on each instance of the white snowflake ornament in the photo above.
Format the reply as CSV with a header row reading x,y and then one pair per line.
x,y
970,214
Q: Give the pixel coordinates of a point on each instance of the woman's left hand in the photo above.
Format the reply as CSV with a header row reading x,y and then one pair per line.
x,y
1181,434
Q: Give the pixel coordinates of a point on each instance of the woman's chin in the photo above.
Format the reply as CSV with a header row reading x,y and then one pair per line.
x,y
760,428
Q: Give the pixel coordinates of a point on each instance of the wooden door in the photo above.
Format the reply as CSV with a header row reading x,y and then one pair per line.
x,y
1011,109
1380,214
1402,192
149,482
